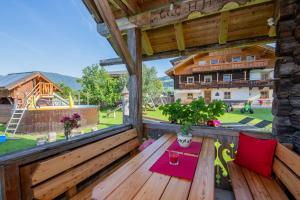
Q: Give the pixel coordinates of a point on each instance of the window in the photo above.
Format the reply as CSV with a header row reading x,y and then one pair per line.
x,y
236,59
208,78
227,95
227,77
214,61
265,76
250,58
202,62
264,94
190,96
190,79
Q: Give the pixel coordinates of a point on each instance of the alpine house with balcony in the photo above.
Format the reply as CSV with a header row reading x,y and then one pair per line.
x,y
233,75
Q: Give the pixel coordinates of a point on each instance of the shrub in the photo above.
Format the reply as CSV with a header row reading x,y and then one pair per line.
x,y
195,113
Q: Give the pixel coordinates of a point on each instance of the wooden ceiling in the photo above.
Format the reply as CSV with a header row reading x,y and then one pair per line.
x,y
189,26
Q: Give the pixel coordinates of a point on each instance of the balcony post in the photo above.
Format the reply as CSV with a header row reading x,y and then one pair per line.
x,y
286,104
135,80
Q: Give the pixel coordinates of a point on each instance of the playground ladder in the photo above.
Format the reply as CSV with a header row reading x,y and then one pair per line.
x,y
15,120
18,113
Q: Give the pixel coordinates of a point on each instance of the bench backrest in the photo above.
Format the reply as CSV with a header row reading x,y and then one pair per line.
x,y
49,178
287,168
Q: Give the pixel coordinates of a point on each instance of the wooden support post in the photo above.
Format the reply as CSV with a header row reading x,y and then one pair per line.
x,y
2,183
109,19
146,44
223,29
135,81
12,182
179,36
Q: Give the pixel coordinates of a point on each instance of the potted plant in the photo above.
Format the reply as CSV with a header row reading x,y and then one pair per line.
x,y
70,123
184,137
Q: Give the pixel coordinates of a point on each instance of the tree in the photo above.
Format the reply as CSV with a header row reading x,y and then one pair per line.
x,y
99,87
152,85
66,91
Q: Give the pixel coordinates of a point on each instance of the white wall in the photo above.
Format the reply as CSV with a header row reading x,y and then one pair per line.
x,y
237,94
256,74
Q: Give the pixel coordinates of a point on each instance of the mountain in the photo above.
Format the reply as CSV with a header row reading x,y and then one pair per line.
x,y
67,80
168,83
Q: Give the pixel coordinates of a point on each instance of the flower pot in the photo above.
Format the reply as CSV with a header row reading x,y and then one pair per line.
x,y
184,140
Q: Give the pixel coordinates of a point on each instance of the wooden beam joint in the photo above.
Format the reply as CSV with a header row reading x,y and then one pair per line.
x,y
223,28
146,44
179,36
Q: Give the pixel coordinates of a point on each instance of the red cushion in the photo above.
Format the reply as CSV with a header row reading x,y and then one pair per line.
x,y
256,154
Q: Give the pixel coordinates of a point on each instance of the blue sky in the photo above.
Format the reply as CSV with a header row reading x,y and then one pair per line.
x,y
53,36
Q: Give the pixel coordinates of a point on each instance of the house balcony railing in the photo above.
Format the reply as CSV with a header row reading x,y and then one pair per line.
x,y
227,84
257,64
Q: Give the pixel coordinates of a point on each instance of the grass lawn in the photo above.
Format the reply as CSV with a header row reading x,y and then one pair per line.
x,y
27,141
235,116
232,117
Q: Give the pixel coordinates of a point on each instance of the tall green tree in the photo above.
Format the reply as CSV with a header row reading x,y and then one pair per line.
x,y
152,85
66,91
99,88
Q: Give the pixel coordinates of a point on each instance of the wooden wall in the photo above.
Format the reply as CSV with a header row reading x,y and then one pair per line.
x,y
38,121
5,112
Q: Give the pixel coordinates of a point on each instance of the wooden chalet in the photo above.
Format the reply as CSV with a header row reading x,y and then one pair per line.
x,y
18,88
232,75
104,164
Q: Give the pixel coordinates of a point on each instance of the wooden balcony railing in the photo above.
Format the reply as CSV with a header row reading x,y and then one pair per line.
x,y
234,65
227,84
46,89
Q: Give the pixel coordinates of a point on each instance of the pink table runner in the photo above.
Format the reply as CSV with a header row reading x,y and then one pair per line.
x,y
187,163
194,148
186,168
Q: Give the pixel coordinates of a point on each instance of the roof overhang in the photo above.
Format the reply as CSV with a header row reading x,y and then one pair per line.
x,y
191,26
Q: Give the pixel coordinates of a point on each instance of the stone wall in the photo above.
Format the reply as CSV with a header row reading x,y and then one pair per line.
x,y
286,104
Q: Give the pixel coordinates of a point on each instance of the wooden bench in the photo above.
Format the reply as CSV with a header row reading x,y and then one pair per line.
x,y
248,185
61,174
133,180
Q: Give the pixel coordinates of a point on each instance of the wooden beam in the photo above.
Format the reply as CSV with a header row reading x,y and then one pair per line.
x,y
179,36
223,28
135,81
110,21
146,44
183,11
132,5
193,50
122,6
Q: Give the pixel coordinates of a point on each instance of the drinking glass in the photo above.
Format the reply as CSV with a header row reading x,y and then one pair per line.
x,y
173,158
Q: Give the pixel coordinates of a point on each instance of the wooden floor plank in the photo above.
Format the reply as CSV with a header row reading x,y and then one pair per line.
x,y
203,185
178,189
104,188
153,188
256,186
239,183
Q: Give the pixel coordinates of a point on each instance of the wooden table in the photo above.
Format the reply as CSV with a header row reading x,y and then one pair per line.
x,y
133,180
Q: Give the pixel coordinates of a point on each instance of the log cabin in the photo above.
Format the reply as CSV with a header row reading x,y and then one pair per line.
x,y
17,88
234,76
